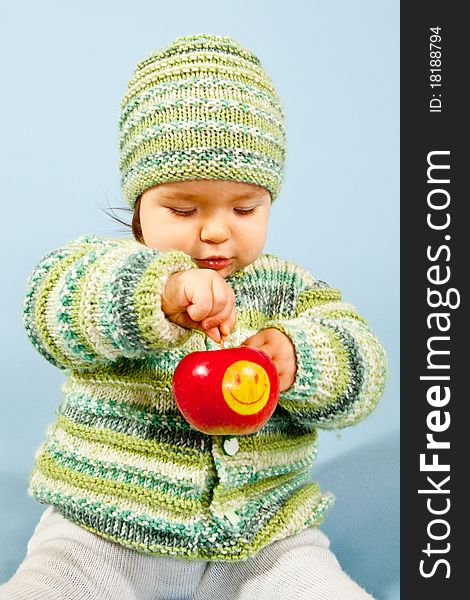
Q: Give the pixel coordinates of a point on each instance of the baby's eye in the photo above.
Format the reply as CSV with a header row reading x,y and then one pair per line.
x,y
245,211
182,213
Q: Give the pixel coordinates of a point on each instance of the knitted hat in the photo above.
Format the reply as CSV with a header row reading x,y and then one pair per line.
x,y
202,108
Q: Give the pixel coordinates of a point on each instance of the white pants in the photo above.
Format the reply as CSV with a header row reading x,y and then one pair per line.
x,y
66,562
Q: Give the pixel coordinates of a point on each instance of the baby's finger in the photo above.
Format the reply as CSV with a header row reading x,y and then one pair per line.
x,y
227,326
283,382
184,320
214,334
223,306
201,304
256,340
222,296
218,319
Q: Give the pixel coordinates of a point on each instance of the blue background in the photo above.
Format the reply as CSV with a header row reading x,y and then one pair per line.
x,y
64,69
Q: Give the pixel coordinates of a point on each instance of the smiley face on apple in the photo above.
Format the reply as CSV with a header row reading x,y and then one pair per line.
x,y
226,392
246,387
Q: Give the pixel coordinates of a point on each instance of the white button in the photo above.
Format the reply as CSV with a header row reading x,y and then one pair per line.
x,y
231,446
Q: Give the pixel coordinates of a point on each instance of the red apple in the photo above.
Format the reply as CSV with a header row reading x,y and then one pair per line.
x,y
232,391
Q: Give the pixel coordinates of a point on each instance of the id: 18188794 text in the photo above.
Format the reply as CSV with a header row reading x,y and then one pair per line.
x,y
435,69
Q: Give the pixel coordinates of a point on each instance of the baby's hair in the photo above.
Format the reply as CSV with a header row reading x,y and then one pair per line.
x,y
134,225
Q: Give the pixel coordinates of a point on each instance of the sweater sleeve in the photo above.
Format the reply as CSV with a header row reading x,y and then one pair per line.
x,y
341,365
97,300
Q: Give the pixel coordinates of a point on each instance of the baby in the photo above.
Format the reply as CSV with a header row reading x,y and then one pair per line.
x,y
141,505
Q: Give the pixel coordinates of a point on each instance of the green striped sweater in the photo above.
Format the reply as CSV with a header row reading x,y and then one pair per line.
x,y
121,461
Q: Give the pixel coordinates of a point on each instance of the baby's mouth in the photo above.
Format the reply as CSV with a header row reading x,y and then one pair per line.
x,y
213,262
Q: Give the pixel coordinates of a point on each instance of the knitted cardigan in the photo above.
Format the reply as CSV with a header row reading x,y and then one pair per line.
x,y
122,462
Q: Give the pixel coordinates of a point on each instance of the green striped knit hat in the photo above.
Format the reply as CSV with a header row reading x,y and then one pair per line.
x,y
202,108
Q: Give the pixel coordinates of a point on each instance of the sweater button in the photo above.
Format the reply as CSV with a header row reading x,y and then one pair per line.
x,y
231,446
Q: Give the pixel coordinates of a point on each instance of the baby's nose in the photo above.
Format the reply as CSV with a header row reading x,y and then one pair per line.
x,y
215,231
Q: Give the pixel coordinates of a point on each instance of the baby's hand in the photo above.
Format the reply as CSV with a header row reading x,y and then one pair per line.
x,y
280,349
200,299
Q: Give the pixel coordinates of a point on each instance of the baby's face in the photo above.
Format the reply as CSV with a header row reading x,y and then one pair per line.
x,y
207,218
